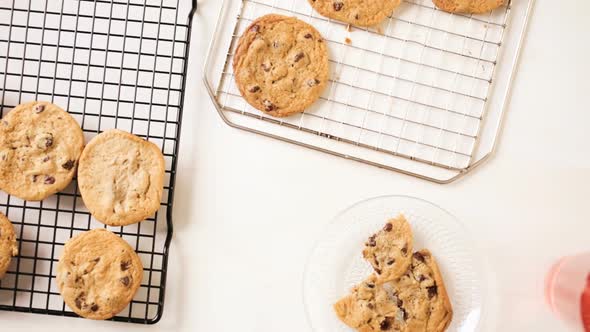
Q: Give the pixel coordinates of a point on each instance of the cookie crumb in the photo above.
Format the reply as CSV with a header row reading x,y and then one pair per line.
x,y
348,41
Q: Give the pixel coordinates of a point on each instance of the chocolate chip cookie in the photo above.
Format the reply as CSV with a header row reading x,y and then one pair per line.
x,y
98,274
369,307
8,247
389,250
121,178
281,65
468,6
40,145
417,301
356,12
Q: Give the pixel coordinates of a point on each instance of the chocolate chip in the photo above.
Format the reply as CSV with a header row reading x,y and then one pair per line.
x,y
385,324
375,260
275,44
97,259
35,178
255,28
266,67
356,17
400,303
404,313
338,6
313,82
421,278
370,306
405,250
68,165
418,256
80,299
299,56
254,89
39,108
125,281
307,36
372,242
378,271
388,227
370,285
46,159
48,141
94,307
49,180
432,291
390,262
77,279
268,105
44,141
125,266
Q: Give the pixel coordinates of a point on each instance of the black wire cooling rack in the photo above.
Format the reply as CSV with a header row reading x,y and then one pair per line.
x,y
111,64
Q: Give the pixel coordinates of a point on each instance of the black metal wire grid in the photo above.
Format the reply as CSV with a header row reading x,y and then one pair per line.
x,y
110,64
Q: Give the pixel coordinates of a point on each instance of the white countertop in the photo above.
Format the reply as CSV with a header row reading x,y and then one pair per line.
x,y
248,209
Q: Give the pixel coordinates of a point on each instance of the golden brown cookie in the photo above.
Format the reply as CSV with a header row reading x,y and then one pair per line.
x,y
281,65
356,12
40,145
368,307
8,247
389,250
417,301
468,6
121,178
98,274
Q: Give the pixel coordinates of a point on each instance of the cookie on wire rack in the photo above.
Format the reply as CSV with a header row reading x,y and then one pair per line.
x,y
8,247
356,12
281,65
98,274
40,145
121,178
468,6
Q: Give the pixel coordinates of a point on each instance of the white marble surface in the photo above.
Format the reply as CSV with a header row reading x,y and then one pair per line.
x,y
248,209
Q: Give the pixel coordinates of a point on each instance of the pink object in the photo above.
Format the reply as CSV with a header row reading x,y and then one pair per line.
x,y
567,290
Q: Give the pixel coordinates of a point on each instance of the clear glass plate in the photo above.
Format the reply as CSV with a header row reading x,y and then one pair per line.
x,y
336,263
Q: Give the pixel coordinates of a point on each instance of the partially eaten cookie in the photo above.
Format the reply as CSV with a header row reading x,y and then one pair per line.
x,y
389,251
405,294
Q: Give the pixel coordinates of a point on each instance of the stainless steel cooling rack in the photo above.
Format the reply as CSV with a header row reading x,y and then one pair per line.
x,y
110,64
423,93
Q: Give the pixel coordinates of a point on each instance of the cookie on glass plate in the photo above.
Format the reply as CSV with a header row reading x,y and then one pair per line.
x,y
389,250
417,301
40,145
281,65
